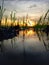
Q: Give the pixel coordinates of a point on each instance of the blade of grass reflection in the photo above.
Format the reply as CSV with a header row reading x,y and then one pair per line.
x,y
44,41
38,35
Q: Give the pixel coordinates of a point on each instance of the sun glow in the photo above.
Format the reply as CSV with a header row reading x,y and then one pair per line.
x,y
20,22
28,33
31,23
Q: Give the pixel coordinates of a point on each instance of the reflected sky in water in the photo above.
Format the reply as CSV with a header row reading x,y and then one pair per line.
x,y
28,40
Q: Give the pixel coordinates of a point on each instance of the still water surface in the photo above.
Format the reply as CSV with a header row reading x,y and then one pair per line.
x,y
31,41
28,46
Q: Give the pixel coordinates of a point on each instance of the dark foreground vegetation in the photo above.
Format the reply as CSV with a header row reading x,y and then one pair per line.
x,y
44,28
8,32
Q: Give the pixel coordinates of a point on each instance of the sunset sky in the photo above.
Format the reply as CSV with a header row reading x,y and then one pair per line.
x,y
23,7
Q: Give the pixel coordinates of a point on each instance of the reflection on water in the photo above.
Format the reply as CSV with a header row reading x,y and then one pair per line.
x,y
27,41
44,37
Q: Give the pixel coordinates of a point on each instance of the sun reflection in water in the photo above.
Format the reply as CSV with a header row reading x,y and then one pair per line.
x,y
28,33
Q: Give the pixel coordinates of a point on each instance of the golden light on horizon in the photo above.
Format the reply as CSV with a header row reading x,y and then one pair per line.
x,y
31,23
14,23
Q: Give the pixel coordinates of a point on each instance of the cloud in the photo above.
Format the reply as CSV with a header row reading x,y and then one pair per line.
x,y
28,0
31,6
25,0
26,6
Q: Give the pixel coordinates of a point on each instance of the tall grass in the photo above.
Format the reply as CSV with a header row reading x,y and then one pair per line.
x,y
40,20
46,17
46,14
6,17
48,20
23,21
12,17
2,10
